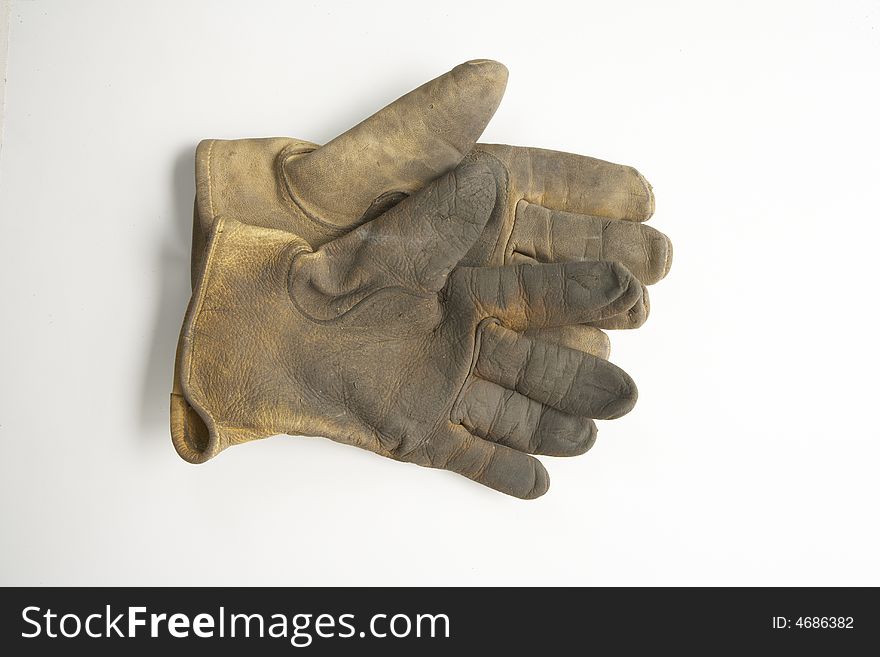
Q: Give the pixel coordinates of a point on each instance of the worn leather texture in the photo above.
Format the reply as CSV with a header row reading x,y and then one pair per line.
x,y
557,206
549,207
378,339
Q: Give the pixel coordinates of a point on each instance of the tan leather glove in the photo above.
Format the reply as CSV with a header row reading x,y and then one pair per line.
x,y
376,340
555,207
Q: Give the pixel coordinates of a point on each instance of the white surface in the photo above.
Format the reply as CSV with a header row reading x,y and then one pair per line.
x,y
4,43
752,455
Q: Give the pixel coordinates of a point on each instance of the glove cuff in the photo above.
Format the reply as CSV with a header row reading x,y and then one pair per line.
x,y
198,432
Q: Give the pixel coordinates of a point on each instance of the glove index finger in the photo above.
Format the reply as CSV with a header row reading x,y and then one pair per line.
x,y
545,295
576,183
497,466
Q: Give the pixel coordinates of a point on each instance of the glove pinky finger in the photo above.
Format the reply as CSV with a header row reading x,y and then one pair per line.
x,y
496,466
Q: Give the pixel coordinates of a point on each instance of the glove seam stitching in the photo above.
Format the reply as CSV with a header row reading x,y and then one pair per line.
x,y
459,398
503,190
213,447
211,180
285,156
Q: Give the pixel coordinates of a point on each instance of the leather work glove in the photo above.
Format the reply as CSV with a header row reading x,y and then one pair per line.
x,y
380,339
554,207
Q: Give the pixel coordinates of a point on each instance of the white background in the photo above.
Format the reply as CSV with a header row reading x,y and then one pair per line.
x,y
752,455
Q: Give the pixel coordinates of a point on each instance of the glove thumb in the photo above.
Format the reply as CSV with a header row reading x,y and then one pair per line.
x,y
401,148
